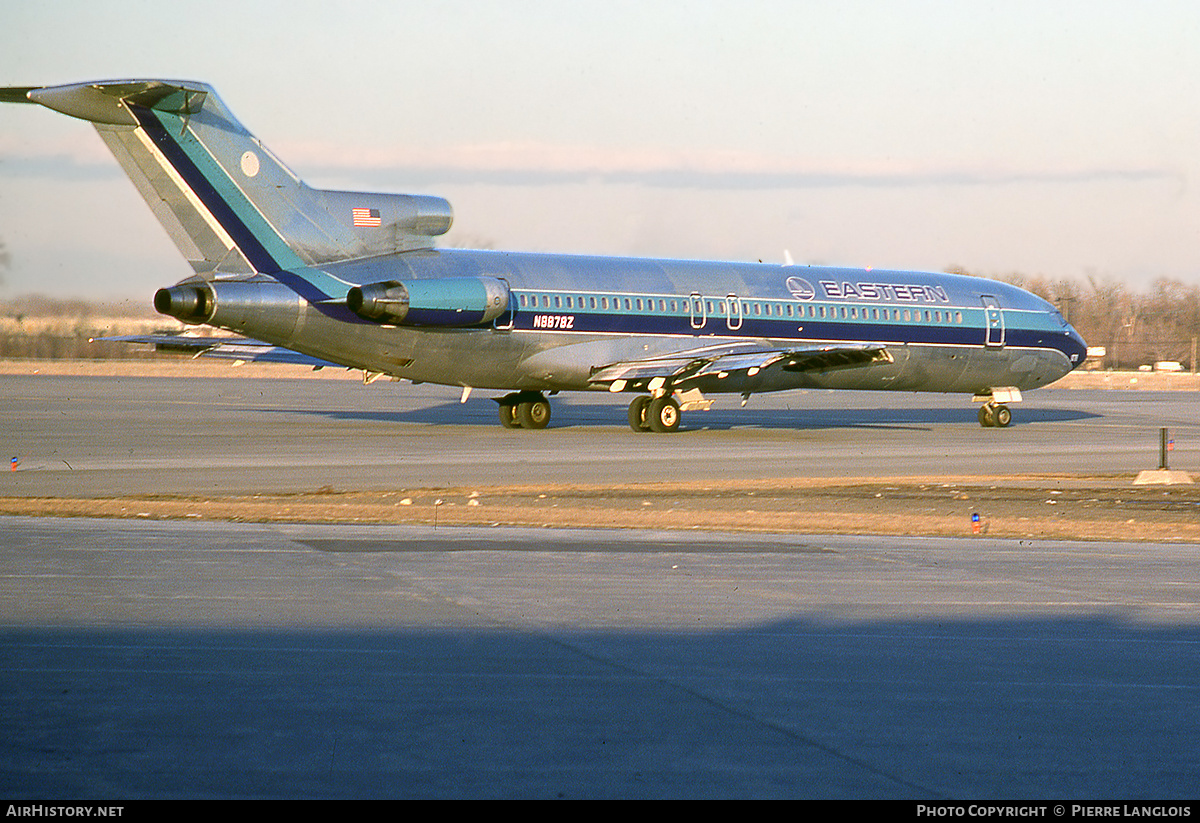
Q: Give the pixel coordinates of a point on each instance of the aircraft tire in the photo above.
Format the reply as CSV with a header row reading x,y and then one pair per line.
x,y
508,416
995,415
534,414
637,413
663,414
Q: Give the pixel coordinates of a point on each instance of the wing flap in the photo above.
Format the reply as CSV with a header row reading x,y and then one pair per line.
x,y
643,370
679,368
829,358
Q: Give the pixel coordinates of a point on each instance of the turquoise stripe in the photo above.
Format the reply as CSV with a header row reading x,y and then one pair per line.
x,y
251,220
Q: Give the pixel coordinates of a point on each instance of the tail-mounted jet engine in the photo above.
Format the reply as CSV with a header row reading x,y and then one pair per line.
x,y
259,306
191,304
451,301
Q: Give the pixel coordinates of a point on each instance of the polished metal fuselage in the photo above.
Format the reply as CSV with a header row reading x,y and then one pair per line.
x,y
570,315
351,278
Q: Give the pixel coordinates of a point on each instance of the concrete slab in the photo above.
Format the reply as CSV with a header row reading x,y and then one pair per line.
x,y
1166,477
190,660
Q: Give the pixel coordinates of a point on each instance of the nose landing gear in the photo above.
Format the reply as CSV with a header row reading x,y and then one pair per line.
x,y
994,415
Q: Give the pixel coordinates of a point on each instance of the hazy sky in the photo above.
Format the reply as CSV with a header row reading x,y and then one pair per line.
x,y
1053,138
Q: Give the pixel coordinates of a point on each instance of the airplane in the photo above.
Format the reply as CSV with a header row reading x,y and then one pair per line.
x,y
353,279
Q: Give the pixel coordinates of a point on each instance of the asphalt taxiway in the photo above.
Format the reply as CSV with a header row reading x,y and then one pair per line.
x,y
216,659
89,436
177,659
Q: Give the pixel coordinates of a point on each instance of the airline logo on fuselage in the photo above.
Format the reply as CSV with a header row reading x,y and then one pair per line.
x,y
801,289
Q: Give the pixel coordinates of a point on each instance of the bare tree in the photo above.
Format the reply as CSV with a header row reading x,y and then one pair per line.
x,y
1137,328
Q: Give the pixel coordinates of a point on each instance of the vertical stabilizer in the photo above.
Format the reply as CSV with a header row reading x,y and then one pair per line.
x,y
228,203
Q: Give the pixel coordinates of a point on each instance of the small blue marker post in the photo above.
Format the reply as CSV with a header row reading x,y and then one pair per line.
x,y
13,466
975,522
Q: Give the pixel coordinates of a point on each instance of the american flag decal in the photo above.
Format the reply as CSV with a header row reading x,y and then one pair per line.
x,y
368,218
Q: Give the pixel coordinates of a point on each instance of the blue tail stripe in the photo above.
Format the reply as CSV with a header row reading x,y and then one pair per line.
x,y
263,259
255,252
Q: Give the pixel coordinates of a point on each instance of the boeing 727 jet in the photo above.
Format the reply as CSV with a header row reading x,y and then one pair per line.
x,y
353,279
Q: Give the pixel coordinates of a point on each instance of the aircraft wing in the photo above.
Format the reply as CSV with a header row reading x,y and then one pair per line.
x,y
242,349
681,367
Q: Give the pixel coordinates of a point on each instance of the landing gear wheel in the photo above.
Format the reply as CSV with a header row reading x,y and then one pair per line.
x,y
534,414
508,416
663,414
637,413
994,414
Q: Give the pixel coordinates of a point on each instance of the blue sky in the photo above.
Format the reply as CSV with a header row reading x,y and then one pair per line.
x,y
1052,138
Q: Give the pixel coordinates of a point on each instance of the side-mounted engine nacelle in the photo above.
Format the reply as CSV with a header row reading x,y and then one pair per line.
x,y
449,301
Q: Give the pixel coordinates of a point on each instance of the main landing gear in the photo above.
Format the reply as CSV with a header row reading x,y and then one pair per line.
x,y
994,414
531,410
524,410
656,414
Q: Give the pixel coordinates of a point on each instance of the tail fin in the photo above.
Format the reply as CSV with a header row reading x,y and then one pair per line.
x,y
228,203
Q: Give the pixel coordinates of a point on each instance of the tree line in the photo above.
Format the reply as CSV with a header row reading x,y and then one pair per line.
x,y
1135,328
46,328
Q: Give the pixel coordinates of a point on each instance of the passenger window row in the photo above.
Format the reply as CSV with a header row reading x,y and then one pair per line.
x,y
743,308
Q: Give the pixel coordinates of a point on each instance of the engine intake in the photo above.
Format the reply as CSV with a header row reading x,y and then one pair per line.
x,y
450,302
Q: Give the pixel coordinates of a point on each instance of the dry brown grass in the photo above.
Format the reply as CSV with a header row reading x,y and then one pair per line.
x,y
1044,507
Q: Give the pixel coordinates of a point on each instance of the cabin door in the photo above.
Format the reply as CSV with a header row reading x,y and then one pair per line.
x,y
994,318
699,316
733,319
505,321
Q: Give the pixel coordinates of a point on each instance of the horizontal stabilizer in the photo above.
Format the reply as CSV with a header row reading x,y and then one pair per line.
x,y
107,103
16,94
225,348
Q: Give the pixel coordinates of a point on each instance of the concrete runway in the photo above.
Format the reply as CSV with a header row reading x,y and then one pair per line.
x,y
174,659
187,659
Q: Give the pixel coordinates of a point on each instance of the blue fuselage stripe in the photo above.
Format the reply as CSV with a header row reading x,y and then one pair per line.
x,y
970,331
801,329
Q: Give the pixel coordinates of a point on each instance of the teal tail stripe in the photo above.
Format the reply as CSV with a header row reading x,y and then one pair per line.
x,y
262,246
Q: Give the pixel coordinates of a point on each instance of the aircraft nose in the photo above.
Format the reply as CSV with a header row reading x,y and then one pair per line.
x,y
1076,348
